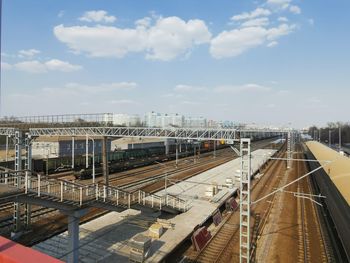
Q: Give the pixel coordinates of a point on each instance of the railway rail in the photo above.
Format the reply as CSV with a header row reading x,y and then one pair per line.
x,y
58,224
224,241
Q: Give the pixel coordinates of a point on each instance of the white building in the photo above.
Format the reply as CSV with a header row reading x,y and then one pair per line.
x,y
153,119
195,122
126,120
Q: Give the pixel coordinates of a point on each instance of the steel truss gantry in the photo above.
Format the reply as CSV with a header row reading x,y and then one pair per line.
x,y
244,198
177,133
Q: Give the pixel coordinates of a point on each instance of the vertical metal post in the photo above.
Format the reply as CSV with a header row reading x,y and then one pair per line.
x,y
93,161
214,149
73,240
87,152
18,167
28,168
73,149
7,147
289,150
104,160
329,138
177,153
244,193
339,137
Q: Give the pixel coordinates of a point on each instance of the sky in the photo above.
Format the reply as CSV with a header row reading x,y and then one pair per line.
x,y
278,62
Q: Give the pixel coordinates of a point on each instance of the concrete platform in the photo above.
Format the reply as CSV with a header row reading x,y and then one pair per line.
x,y
105,239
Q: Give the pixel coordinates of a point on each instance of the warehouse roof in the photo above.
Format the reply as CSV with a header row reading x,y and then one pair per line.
x,y
338,170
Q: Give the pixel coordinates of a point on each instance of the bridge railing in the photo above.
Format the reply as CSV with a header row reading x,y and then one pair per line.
x,y
77,194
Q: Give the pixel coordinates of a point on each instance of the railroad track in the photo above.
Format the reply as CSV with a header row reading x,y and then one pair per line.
x,y
222,244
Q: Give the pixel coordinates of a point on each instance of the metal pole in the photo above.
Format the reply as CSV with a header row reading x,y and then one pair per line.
x,y
73,146
177,154
7,147
87,152
73,239
214,149
104,160
93,160
329,138
339,137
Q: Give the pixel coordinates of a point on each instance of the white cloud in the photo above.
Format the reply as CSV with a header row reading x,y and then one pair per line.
x,y
256,13
282,19
311,21
124,101
262,21
102,87
5,66
188,88
295,9
167,39
28,53
280,4
97,16
250,87
272,44
235,42
59,65
60,14
35,66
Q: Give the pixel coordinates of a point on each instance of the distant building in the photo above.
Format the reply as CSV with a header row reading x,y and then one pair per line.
x,y
195,122
153,119
126,120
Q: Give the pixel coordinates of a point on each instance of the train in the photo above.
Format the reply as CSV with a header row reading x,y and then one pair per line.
x,y
133,158
118,160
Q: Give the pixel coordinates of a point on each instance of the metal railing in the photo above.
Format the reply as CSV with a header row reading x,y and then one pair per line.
x,y
79,195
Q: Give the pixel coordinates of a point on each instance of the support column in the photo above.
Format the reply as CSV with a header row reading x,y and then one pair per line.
x,y
105,161
73,239
244,207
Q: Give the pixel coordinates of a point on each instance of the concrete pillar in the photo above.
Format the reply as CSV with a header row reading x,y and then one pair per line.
x,y
73,239
105,161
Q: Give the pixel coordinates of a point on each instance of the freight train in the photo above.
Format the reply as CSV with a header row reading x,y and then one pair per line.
x,y
133,158
117,160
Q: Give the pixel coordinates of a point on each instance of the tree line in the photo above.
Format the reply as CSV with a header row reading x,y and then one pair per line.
x,y
332,128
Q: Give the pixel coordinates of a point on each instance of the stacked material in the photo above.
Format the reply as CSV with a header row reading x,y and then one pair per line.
x,y
139,248
200,238
155,231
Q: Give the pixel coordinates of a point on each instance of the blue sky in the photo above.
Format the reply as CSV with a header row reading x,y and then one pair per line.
x,y
271,61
